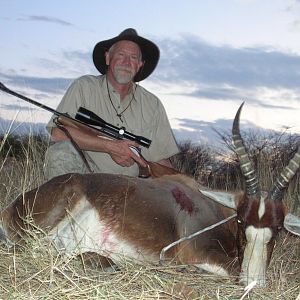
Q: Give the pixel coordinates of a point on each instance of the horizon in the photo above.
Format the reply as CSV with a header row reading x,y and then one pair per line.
x,y
213,57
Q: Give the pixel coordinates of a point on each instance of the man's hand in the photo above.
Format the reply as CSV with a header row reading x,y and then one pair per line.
x,y
121,153
119,150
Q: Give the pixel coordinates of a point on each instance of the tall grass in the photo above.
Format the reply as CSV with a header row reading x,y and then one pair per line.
x,y
36,272
21,164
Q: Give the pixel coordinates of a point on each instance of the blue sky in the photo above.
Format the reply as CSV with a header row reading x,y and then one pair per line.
x,y
214,55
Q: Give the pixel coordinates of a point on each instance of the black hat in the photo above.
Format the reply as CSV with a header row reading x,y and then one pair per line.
x,y
150,53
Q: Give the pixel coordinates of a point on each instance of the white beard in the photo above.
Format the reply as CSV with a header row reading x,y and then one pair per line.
x,y
123,77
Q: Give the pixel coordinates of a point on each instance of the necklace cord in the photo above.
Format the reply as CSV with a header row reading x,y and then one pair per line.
x,y
119,115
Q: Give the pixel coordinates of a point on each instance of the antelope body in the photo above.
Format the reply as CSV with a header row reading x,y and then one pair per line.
x,y
116,216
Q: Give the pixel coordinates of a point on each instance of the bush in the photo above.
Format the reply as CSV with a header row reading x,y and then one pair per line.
x,y
268,153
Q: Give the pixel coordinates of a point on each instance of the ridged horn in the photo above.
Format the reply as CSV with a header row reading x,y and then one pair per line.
x,y
285,177
248,171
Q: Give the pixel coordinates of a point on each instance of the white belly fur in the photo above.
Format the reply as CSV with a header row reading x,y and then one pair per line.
x,y
83,231
214,269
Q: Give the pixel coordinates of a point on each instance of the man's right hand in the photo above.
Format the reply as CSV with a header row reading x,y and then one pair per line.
x,y
120,152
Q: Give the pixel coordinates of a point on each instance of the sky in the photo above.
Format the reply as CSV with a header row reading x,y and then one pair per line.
x,y
213,56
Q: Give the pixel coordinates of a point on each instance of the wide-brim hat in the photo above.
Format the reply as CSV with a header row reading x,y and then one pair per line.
x,y
150,53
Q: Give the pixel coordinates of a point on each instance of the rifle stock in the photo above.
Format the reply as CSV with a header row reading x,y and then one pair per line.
x,y
67,122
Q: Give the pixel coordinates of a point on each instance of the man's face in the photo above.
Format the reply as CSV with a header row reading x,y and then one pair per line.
x,y
124,61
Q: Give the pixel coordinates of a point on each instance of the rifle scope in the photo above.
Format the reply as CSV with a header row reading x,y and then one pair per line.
x,y
89,117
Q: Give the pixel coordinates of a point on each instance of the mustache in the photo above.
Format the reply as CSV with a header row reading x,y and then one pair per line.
x,y
125,69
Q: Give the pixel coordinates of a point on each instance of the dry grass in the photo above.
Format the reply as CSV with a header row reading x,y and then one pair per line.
x,y
36,271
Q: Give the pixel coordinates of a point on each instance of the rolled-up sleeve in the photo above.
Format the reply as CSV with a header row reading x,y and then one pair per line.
x,y
163,144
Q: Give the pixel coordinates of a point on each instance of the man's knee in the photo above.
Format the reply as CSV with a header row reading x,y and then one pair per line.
x,y
62,158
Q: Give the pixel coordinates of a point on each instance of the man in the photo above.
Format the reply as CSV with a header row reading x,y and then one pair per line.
x,y
115,97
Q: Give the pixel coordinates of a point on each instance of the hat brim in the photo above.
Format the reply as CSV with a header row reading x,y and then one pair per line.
x,y
150,54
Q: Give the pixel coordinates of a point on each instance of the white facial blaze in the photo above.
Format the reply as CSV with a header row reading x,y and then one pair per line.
x,y
262,206
255,256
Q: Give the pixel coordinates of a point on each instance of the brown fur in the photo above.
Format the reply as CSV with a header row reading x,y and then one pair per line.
x,y
142,212
149,214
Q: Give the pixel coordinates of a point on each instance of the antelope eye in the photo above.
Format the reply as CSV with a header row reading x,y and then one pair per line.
x,y
239,221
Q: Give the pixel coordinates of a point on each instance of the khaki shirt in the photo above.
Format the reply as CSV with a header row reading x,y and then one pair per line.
x,y
142,114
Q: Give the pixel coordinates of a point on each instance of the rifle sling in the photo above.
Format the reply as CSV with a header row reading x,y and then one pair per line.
x,y
152,169
75,145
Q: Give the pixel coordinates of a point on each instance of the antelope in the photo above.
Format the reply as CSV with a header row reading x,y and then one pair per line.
x,y
165,219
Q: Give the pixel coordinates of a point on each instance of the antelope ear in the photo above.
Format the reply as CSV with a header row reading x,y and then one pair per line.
x,y
225,198
292,224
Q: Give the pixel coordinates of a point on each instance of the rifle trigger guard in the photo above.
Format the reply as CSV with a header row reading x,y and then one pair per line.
x,y
135,150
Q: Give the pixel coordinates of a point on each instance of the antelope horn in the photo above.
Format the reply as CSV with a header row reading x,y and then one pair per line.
x,y
285,176
247,169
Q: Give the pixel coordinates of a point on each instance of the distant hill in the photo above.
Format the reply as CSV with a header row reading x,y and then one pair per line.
x,y
21,128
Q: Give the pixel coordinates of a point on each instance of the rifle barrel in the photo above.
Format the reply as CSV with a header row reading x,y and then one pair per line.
x,y
7,90
102,126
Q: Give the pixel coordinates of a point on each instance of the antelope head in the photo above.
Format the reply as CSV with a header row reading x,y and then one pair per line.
x,y
260,214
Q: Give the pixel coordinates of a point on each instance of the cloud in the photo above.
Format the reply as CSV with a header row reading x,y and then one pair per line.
x,y
45,19
193,60
55,85
16,107
68,63
261,75
215,125
209,133
230,93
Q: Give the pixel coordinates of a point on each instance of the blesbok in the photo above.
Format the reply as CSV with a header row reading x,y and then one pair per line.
x,y
165,218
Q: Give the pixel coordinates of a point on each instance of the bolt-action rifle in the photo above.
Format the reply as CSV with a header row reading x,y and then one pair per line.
x,y
90,123
87,118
